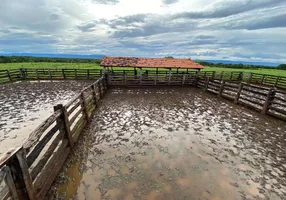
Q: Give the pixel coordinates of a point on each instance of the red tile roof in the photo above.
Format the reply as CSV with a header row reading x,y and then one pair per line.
x,y
149,62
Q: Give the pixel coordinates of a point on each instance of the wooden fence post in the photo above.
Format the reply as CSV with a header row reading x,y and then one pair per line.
x,y
262,78
250,77
37,74
63,73
240,87
99,89
9,75
84,104
156,77
207,83
63,123
88,75
124,78
140,76
184,79
276,81
94,94
22,159
221,88
240,76
170,74
270,97
221,75
231,75
10,183
213,75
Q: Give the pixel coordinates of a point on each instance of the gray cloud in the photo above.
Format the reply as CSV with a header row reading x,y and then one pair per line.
x,y
225,8
110,2
88,27
168,2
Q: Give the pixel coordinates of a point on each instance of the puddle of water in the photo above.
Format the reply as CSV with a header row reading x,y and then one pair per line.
x,y
24,105
175,144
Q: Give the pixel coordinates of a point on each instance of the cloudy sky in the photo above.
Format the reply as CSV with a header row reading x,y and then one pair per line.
x,y
247,30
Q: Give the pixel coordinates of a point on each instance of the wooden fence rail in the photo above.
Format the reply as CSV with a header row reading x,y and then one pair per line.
x,y
48,74
148,77
28,172
267,100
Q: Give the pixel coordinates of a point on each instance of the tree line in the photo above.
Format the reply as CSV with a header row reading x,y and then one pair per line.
x,y
240,66
23,59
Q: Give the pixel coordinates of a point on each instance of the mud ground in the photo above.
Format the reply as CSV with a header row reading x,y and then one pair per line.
x,y
178,143
24,105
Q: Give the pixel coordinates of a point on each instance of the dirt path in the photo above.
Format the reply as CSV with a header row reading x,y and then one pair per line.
x,y
175,144
24,105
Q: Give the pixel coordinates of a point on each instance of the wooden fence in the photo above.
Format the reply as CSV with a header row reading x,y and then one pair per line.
x,y
168,77
48,74
267,100
148,77
29,171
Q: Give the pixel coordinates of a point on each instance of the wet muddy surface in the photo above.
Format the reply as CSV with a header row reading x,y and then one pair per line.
x,y
25,105
178,143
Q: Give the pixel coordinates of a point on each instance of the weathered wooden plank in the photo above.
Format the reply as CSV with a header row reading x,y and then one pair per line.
x,y
35,170
32,156
46,171
78,129
279,110
94,94
21,156
240,87
72,109
71,121
248,89
278,116
221,88
251,101
270,97
280,98
53,174
10,183
77,125
36,134
72,101
8,156
233,89
246,104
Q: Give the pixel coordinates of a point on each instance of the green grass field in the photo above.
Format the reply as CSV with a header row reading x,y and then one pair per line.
x,y
95,66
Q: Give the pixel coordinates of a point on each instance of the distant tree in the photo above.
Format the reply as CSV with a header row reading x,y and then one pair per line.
x,y
169,57
282,66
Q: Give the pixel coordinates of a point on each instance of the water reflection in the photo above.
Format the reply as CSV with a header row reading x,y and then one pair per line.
x,y
24,105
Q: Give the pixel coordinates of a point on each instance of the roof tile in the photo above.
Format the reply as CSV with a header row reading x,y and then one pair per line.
x,y
149,62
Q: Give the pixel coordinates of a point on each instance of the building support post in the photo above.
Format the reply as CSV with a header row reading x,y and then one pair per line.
x,y
140,76
170,74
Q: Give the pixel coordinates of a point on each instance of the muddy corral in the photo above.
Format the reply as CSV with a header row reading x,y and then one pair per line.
x,y
178,143
25,105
